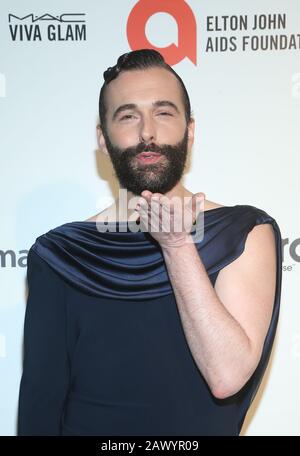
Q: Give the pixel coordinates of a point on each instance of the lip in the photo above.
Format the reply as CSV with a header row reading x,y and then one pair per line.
x,y
148,154
148,157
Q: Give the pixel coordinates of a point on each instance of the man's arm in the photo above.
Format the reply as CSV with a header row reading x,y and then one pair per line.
x,y
226,326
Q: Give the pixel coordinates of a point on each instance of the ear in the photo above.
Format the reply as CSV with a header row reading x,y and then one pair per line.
x,y
101,140
191,131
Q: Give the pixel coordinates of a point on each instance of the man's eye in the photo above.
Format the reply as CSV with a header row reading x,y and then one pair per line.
x,y
164,113
126,117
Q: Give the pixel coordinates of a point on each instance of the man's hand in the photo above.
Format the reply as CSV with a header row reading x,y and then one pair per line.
x,y
169,220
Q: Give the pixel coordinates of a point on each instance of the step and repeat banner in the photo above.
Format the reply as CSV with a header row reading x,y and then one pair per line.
x,y
240,61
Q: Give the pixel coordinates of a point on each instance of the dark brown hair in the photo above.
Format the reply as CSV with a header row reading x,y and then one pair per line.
x,y
138,60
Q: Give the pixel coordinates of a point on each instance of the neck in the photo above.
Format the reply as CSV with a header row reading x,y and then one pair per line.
x,y
124,210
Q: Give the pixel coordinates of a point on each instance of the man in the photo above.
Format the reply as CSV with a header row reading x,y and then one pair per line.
x,y
153,334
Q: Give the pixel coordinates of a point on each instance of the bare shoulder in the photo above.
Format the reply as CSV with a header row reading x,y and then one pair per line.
x,y
101,216
92,219
257,260
208,205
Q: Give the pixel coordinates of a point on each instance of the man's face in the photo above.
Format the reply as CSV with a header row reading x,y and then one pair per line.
x,y
145,113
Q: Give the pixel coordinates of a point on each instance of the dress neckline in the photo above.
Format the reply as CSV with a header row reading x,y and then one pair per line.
x,y
118,222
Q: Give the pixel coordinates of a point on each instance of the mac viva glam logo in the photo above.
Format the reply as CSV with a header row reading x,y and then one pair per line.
x,y
62,27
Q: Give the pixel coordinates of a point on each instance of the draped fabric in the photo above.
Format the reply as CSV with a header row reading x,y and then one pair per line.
x,y
128,267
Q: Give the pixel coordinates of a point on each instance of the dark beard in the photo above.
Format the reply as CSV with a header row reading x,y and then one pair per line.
x,y
158,177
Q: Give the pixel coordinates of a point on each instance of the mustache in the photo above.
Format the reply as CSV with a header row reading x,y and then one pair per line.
x,y
143,147
148,148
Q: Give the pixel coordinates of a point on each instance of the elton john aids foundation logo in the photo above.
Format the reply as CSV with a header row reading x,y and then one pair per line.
x,y
186,24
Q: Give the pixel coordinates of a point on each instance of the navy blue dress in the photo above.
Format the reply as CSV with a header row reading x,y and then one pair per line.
x,y
104,349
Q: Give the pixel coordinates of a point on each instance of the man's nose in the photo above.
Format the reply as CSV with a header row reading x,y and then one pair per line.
x,y
147,130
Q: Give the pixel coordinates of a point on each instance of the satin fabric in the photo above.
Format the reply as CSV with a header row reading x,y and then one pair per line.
x,y
129,266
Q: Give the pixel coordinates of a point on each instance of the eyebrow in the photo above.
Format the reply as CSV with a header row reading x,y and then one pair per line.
x,y
156,104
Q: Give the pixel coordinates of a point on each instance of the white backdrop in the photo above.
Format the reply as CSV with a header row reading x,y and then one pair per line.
x,y
246,104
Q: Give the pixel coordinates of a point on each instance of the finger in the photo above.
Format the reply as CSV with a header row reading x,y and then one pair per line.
x,y
146,194
142,203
